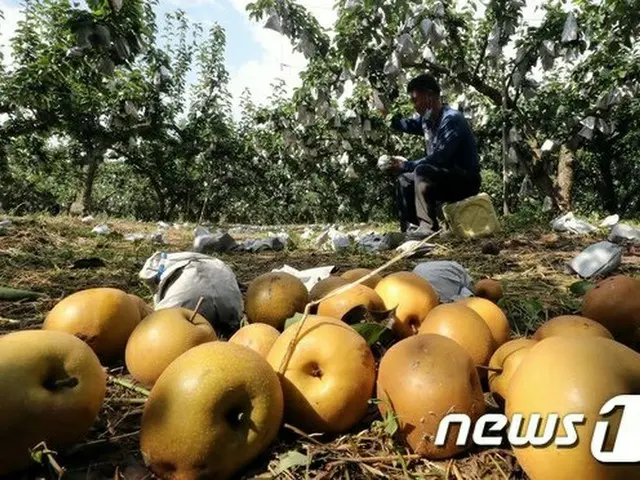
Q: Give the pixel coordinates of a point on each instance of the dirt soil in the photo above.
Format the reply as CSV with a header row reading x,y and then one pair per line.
x,y
38,253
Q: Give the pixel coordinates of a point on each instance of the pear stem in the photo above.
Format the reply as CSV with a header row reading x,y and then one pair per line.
x,y
68,382
490,369
195,312
129,386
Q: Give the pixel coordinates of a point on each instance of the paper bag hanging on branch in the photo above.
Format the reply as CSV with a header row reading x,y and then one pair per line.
x,y
570,30
428,55
547,54
392,68
274,22
407,49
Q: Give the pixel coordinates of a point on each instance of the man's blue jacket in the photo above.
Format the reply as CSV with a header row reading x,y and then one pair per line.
x,y
449,142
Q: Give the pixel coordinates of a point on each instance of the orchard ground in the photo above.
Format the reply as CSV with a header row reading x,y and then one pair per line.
x,y
36,253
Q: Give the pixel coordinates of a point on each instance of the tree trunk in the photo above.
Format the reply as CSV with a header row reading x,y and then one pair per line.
x,y
83,204
608,190
505,154
534,166
566,163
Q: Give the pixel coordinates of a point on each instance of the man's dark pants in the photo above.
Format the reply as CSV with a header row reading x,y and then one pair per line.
x,y
418,193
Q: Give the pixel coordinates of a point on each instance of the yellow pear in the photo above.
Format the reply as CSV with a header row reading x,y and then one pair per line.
x,y
573,375
412,296
161,338
257,336
102,317
423,378
51,389
504,363
329,377
211,412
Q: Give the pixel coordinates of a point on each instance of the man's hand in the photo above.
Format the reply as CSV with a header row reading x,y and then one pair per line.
x,y
391,164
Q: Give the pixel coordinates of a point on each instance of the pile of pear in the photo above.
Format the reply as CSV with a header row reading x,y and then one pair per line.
x,y
217,404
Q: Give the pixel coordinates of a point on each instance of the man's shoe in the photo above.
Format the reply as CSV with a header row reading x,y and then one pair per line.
x,y
419,233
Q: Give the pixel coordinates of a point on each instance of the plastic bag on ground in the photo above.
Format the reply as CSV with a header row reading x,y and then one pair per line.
x,y
310,276
623,233
272,243
5,223
569,223
339,240
598,259
450,279
183,277
101,229
134,237
375,242
610,221
205,241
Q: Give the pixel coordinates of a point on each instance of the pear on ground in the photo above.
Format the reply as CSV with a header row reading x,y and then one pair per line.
x,y
327,374
259,337
422,379
411,296
161,338
338,305
212,411
504,363
52,387
464,326
494,317
357,273
565,375
143,307
571,325
274,297
102,317
615,303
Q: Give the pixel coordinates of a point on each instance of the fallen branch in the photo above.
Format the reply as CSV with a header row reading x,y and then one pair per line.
x,y
127,401
381,459
104,441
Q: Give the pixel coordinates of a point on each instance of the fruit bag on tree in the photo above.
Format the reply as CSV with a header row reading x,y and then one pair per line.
x,y
182,278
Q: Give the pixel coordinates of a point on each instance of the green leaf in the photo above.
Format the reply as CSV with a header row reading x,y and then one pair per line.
x,y
581,287
371,332
12,294
291,459
390,423
293,320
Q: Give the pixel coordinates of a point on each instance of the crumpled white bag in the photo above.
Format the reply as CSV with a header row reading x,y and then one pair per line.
x,y
450,279
622,233
182,278
309,277
101,229
569,223
598,259
610,221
